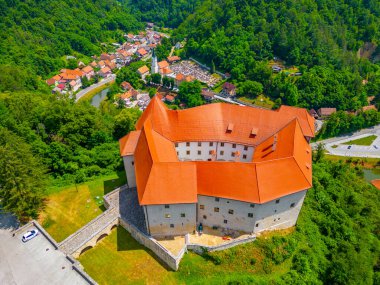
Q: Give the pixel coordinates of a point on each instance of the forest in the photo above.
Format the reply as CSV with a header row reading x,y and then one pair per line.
x,y
321,37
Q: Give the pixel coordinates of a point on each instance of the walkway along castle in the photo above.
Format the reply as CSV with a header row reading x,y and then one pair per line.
x,y
221,165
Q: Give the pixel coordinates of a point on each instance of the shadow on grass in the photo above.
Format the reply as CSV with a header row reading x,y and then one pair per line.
x,y
110,185
126,242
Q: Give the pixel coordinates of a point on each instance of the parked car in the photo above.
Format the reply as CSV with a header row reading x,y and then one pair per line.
x,y
375,146
29,235
349,147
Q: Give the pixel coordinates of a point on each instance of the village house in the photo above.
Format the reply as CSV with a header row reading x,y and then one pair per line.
x,y
143,71
142,52
105,72
126,85
173,59
169,98
220,165
229,90
208,95
313,113
88,72
324,113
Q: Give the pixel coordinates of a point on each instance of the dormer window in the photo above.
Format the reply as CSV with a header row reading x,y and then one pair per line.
x,y
230,127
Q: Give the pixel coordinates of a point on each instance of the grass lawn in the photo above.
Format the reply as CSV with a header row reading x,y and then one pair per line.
x,y
119,259
362,141
71,207
261,101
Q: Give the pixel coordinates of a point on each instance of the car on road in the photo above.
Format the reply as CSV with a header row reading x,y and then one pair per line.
x,y
375,146
29,235
349,147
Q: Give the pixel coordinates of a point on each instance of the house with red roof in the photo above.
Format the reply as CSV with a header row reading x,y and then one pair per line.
x,y
219,165
229,90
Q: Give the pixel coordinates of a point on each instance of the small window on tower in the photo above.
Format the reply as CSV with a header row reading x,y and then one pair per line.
x,y
133,163
257,225
172,225
225,221
233,154
244,156
252,205
188,152
250,215
230,211
199,144
216,199
199,152
234,145
183,215
245,147
167,206
187,144
277,201
176,144
211,144
221,144
205,217
222,152
202,207
216,209
292,205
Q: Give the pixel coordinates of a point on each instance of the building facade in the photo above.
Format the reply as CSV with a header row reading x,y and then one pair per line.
x,y
219,165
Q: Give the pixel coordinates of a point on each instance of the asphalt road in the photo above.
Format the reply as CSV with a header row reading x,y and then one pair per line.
x,y
33,262
83,92
335,145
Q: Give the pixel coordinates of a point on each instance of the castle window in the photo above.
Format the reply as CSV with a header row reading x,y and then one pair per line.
x,y
199,144
167,206
257,225
172,225
211,143
205,217
252,205
230,211
183,215
233,154
244,156
245,147
187,144
199,152
188,152
222,152
225,221
167,216
250,215
216,209
234,145
177,153
277,201
133,163
176,144
216,199
221,144
202,207
292,205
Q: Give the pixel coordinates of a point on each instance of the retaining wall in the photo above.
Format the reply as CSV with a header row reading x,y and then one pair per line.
x,y
170,260
201,248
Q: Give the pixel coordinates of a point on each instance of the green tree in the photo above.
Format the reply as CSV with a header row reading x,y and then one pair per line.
x,y
190,93
250,88
22,177
156,78
125,121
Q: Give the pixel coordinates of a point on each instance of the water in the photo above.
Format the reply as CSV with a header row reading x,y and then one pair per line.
x,y
371,174
99,97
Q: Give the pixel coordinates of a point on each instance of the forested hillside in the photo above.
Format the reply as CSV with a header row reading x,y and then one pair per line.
x,y
322,37
35,35
164,13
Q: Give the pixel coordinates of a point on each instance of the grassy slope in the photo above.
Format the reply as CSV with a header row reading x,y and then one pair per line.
x,y
71,207
362,141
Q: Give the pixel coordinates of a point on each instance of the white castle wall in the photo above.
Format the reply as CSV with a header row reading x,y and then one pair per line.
x,y
130,170
247,217
224,151
168,220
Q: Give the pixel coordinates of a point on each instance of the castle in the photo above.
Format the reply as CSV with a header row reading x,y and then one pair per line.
x,y
219,165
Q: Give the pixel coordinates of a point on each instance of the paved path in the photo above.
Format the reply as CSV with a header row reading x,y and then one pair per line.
x,y
83,92
335,145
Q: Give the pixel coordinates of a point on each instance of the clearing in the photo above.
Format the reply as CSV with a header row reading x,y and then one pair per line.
x,y
71,207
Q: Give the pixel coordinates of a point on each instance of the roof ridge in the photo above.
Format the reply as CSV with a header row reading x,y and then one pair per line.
x,y
311,184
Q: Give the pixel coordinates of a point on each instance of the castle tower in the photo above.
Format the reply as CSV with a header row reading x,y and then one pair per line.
x,y
154,68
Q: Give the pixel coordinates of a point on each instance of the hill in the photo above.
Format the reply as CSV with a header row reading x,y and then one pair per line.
x,y
36,35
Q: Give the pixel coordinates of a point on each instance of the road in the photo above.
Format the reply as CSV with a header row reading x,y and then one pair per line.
x,y
83,92
335,145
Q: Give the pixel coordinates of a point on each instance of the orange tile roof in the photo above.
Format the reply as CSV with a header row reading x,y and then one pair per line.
x,y
87,69
129,143
163,64
179,77
173,58
142,51
281,164
105,69
165,71
376,183
143,69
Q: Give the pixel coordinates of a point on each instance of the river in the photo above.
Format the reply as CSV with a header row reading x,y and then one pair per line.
x,y
99,97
